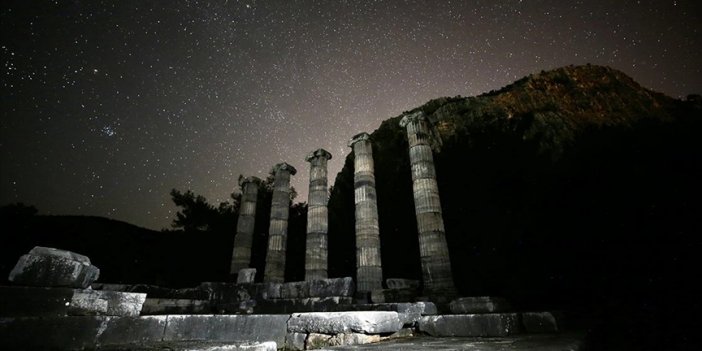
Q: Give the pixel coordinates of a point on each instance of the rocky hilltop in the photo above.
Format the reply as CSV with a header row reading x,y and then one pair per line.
x,y
575,188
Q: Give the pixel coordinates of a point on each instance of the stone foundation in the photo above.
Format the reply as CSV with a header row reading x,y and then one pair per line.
x,y
56,302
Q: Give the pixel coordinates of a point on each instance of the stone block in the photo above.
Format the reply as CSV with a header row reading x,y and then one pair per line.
x,y
222,328
175,306
258,346
394,295
246,276
312,304
294,290
399,283
48,302
422,307
479,304
540,322
408,312
317,341
332,287
78,332
50,267
108,303
131,330
50,251
272,291
295,341
483,325
345,322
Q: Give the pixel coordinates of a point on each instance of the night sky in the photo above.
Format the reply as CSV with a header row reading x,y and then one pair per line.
x,y
107,105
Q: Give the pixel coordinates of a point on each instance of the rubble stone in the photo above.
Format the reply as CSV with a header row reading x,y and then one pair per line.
x,y
295,341
49,267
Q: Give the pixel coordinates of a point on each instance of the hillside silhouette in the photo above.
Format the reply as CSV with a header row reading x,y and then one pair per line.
x,y
572,189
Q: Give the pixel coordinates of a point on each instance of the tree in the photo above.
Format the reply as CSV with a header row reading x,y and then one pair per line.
x,y
197,214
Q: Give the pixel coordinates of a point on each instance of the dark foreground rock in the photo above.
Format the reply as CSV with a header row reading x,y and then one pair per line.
x,y
49,267
541,322
541,342
90,332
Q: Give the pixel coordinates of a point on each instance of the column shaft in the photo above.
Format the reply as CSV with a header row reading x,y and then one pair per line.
x,y
316,253
241,256
278,229
369,272
433,249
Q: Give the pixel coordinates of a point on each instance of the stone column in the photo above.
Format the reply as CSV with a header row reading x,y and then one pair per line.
x,y
241,257
369,272
436,266
278,230
317,216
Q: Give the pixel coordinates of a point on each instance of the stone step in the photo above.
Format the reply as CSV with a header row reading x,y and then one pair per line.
x,y
175,306
367,322
408,312
195,346
18,301
81,332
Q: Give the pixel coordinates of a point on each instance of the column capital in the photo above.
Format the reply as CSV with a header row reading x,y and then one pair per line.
x,y
245,180
359,137
412,117
284,167
318,153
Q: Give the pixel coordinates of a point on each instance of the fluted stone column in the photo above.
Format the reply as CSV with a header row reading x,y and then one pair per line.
x,y
278,230
241,257
369,272
436,266
317,216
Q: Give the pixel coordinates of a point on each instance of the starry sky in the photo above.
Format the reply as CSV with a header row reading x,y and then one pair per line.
x,y
107,105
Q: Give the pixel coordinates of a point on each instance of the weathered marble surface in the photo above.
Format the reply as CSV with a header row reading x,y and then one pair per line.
x,y
345,322
49,267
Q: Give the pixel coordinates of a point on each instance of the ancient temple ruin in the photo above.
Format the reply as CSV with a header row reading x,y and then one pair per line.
x,y
56,295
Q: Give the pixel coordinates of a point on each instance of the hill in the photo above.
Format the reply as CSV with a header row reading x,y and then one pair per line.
x,y
572,189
